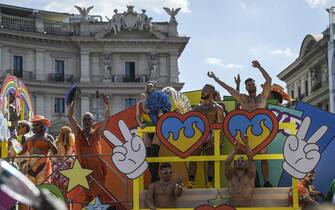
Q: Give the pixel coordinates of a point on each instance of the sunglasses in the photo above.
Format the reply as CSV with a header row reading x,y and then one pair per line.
x,y
166,172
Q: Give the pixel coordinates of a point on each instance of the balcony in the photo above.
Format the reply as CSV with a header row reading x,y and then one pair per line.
x,y
58,28
30,25
61,77
24,75
120,78
17,23
124,78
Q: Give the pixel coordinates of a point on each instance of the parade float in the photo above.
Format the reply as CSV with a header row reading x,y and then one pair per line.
x,y
180,134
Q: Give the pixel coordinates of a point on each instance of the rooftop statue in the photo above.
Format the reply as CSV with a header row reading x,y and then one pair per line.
x,y
128,20
84,11
172,12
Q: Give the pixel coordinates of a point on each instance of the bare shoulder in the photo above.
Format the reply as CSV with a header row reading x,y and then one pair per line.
x,y
218,107
260,96
244,96
151,187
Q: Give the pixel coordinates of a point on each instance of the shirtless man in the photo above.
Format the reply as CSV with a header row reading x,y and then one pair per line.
x,y
163,193
252,102
241,177
214,114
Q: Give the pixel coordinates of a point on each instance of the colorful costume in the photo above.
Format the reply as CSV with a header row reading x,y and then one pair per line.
x,y
39,169
65,144
303,193
157,103
91,146
145,116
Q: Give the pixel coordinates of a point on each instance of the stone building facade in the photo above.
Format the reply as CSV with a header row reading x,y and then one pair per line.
x,y
49,51
307,78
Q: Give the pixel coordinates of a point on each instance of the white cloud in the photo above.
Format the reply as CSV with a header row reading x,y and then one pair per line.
x,y
286,52
243,5
255,50
233,66
218,62
213,61
318,3
106,7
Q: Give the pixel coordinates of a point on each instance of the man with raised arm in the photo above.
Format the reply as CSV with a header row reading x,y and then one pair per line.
x,y
251,102
87,143
241,176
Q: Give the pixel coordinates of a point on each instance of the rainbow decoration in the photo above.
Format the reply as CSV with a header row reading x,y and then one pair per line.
x,y
12,84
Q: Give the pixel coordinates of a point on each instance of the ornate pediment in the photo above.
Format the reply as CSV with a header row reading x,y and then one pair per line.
x,y
129,20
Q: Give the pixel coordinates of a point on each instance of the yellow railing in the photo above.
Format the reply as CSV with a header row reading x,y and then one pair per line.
x,y
138,184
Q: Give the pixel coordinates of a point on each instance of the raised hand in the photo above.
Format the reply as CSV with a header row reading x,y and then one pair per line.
x,y
301,156
71,108
128,156
255,64
211,74
237,80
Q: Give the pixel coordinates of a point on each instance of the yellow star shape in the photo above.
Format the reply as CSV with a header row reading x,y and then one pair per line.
x,y
76,175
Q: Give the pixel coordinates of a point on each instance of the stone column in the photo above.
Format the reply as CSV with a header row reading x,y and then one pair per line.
x,y
40,105
39,62
174,67
84,66
295,88
1,67
302,85
162,66
84,105
309,79
49,105
0,17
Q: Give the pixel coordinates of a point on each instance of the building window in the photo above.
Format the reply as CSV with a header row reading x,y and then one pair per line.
x,y
292,93
299,93
59,70
59,105
306,87
18,66
129,102
130,72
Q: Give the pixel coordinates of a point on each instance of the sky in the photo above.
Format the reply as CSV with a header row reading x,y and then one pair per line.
x,y
225,35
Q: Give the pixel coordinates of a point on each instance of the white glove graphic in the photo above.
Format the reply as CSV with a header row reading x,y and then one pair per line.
x,y
300,156
128,156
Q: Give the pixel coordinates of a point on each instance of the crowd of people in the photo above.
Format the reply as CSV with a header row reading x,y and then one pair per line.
x,y
83,141
39,154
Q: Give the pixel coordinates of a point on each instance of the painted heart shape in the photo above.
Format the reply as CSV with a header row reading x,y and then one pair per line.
x,y
260,126
182,134
209,207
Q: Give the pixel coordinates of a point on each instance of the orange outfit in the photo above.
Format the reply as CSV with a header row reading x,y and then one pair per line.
x,y
38,168
91,146
302,194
